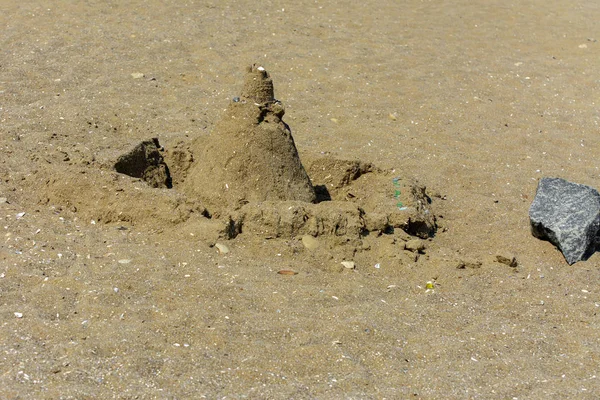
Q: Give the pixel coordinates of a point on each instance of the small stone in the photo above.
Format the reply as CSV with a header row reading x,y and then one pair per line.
x,y
415,246
20,215
348,264
137,75
376,222
223,249
124,261
310,242
3,200
567,215
507,259
412,257
19,315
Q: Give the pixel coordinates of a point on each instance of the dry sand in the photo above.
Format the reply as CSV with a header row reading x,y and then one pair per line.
x,y
110,288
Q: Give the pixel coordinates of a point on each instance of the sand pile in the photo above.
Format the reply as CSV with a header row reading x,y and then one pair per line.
x,y
250,156
248,173
145,161
246,177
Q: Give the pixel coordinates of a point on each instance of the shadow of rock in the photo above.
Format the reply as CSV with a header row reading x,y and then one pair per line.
x,y
146,162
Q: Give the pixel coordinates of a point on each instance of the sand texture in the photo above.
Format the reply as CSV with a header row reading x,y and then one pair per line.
x,y
294,200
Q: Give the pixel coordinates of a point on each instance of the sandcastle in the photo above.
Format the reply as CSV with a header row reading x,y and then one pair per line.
x,y
250,156
248,174
246,177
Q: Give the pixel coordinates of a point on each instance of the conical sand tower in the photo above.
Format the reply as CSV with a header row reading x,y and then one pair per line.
x,y
250,156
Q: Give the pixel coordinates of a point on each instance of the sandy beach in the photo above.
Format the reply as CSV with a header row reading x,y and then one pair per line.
x,y
112,288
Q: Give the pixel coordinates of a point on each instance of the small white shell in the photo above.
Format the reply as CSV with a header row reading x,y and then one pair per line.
x,y
348,264
310,242
223,249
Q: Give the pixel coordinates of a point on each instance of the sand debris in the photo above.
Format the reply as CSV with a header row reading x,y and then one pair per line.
x,y
507,259
146,162
415,246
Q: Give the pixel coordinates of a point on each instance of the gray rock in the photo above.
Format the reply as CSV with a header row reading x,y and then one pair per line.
x,y
567,215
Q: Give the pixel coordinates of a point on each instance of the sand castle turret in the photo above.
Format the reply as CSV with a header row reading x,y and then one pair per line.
x,y
250,156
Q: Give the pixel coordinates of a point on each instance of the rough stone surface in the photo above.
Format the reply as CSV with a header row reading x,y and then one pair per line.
x,y
567,215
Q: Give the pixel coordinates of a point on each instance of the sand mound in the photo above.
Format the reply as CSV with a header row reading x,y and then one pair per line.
x,y
245,178
374,201
145,161
250,155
